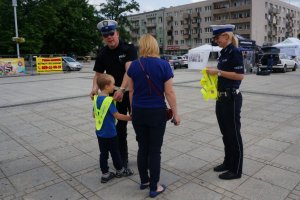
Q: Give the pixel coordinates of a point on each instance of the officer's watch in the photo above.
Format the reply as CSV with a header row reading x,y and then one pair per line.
x,y
219,73
122,90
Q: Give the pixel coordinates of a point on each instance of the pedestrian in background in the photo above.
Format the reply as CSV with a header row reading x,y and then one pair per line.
x,y
105,113
150,81
114,59
230,73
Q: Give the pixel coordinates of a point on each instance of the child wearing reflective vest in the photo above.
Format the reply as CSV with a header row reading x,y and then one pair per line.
x,y
105,113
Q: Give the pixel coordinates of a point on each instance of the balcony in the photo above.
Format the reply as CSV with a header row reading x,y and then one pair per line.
x,y
186,26
195,35
290,15
135,27
169,18
195,15
169,27
150,24
195,25
186,36
243,32
186,15
170,37
274,11
231,9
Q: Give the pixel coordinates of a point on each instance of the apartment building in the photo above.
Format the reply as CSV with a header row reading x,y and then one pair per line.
x,y
181,28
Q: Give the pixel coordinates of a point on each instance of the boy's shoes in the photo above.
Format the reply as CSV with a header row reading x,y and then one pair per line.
x,y
220,168
229,176
153,194
107,177
124,173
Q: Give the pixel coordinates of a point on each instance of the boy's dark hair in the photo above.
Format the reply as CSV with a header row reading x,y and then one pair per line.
x,y
104,80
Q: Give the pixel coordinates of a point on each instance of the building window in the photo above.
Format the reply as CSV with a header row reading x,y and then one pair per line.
x,y
176,41
181,41
176,33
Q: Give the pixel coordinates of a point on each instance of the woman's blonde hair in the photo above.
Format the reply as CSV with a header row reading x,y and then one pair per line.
x,y
148,46
233,38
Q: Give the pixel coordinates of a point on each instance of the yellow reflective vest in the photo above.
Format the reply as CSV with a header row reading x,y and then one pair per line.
x,y
101,113
209,85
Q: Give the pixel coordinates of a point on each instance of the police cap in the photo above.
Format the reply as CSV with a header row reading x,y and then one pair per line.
x,y
106,26
218,29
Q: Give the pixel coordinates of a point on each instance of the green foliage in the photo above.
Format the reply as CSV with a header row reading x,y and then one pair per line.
x,y
117,10
49,26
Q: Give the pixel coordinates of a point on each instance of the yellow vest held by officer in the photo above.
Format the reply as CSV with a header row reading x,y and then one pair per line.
x,y
209,85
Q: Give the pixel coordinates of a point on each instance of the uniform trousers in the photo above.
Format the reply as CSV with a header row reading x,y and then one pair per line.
x,y
149,126
121,127
228,110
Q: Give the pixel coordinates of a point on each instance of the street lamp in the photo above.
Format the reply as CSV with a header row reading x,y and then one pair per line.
x,y
14,4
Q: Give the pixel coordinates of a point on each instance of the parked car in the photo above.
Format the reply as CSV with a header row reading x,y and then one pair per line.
x,y
280,61
183,61
69,64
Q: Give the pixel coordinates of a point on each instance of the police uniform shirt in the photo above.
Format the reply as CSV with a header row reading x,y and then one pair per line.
x,y
231,60
112,61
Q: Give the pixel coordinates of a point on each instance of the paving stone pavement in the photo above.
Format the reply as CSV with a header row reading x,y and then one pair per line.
x,y
48,148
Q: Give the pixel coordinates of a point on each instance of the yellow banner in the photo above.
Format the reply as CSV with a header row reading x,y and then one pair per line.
x,y
12,66
46,65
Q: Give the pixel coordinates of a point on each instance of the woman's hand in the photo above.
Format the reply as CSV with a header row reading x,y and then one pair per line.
x,y
176,120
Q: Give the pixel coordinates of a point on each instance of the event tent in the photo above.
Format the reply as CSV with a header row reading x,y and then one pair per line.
x,y
290,46
198,57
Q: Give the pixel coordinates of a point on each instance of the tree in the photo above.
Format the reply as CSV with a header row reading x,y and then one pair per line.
x,y
117,10
49,26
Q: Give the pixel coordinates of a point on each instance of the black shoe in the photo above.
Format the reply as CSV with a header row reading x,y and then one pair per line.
x,y
126,172
220,168
229,176
105,179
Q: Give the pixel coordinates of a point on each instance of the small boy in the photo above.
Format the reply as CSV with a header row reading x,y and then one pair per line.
x,y
105,113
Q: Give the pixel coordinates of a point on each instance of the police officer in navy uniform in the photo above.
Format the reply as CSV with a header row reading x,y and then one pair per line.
x,y
230,73
114,59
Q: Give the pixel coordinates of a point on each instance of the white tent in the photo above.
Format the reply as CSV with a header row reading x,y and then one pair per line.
x,y
198,57
290,46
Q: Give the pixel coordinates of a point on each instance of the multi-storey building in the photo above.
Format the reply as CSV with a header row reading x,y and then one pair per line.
x,y
181,28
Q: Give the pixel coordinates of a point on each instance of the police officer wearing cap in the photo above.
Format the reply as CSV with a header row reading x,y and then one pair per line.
x,y
114,59
230,73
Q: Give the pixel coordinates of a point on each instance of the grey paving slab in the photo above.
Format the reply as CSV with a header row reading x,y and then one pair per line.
x,y
32,178
273,144
256,190
294,150
62,153
181,161
20,165
55,192
261,152
77,163
193,191
279,177
207,154
182,145
251,167
288,160
6,188
123,190
10,150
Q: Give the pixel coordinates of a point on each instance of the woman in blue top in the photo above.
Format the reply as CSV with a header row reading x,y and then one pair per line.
x,y
228,106
150,81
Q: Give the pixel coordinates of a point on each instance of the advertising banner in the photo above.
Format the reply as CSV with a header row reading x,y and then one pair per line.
x,y
12,66
46,65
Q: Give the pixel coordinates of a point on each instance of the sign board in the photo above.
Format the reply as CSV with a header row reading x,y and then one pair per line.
x,y
46,65
12,66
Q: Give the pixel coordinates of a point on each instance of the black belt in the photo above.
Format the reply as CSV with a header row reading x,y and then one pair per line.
x,y
229,92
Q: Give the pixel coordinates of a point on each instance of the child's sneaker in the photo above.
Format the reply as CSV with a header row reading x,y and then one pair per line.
x,y
124,172
107,177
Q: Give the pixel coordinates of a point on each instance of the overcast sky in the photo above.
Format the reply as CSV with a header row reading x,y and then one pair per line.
x,y
150,5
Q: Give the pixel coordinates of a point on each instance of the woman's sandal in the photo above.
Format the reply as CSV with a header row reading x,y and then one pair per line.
x,y
153,194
